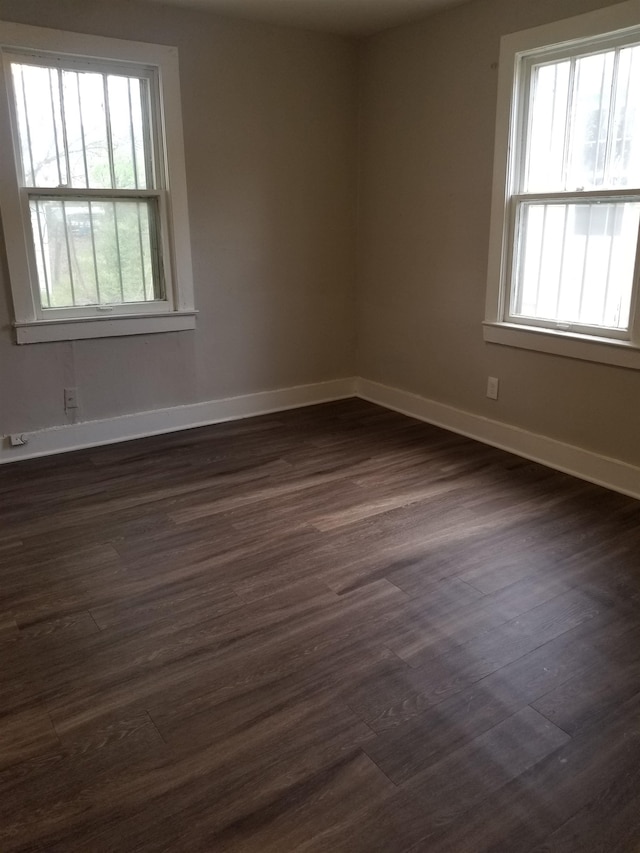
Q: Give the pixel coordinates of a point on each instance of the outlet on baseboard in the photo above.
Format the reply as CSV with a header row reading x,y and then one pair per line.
x,y
492,387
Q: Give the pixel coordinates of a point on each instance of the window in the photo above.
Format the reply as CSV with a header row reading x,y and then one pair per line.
x,y
563,272
94,201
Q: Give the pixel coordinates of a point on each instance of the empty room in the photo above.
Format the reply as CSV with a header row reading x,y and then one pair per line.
x,y
320,426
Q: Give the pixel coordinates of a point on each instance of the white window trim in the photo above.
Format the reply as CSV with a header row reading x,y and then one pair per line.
x,y
178,313
513,51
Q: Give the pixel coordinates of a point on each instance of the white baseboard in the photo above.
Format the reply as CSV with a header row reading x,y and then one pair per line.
x,y
68,437
602,470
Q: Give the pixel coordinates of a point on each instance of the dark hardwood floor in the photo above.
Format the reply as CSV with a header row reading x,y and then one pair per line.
x,y
331,629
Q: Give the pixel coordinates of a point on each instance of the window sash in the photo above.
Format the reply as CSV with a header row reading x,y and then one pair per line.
x,y
515,207
528,67
151,135
90,264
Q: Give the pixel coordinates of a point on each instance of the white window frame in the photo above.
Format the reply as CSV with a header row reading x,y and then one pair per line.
x,y
176,311
616,22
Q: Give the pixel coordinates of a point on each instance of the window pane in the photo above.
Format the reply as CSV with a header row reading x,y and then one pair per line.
x,y
94,252
548,126
584,123
624,159
575,262
82,129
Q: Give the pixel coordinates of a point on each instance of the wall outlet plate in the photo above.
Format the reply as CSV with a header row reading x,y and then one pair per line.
x,y
492,387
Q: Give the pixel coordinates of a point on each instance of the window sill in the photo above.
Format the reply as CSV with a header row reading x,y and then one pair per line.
x,y
567,344
83,328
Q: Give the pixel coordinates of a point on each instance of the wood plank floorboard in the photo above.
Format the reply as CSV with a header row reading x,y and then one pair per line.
x,y
329,629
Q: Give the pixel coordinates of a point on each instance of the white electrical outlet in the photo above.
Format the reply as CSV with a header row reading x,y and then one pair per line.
x,y
492,387
70,398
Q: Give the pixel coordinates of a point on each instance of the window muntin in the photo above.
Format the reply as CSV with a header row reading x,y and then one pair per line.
x,y
574,206
86,153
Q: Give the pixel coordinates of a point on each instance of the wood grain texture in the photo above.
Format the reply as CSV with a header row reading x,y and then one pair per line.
x,y
331,629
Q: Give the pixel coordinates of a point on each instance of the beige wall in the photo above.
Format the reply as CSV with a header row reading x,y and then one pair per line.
x,y
270,120
270,137
427,129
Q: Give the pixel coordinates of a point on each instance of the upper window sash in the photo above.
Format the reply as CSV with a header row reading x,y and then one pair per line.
x,y
548,155
78,100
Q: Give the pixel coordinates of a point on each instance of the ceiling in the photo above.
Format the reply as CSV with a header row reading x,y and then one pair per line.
x,y
349,17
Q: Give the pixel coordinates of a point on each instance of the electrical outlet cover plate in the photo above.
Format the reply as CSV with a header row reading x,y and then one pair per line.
x,y
492,387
